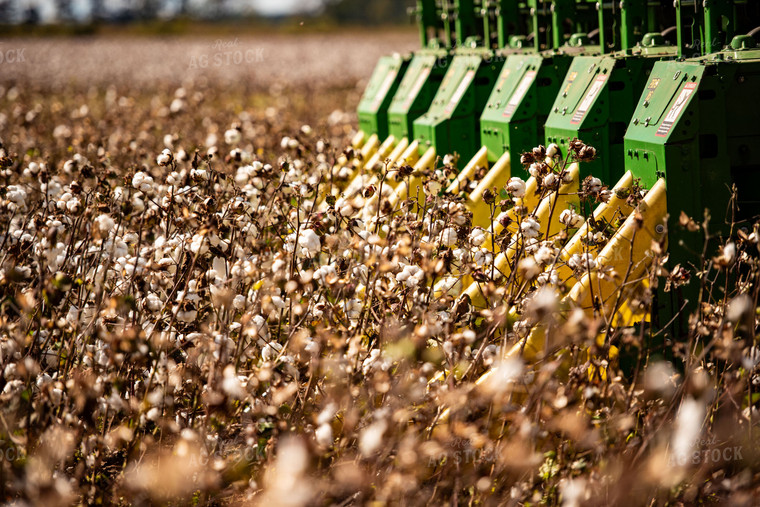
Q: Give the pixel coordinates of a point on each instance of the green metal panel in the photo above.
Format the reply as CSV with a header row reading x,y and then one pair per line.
x,y
508,20
373,107
596,103
514,117
452,122
427,19
699,131
417,89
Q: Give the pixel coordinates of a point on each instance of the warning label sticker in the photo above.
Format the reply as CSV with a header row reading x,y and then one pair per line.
x,y
384,88
459,93
589,99
416,87
520,92
570,79
651,88
676,110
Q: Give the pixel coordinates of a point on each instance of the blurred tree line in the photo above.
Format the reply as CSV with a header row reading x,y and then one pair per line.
x,y
356,12
368,11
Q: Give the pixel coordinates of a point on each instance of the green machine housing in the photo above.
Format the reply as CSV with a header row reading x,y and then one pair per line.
x,y
426,72
516,110
450,21
451,123
492,81
696,126
514,117
600,93
382,86
417,89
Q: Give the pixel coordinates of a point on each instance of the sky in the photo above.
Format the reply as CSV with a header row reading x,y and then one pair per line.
x,y
277,7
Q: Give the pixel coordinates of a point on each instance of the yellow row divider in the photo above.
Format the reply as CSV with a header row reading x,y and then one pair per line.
x,y
468,173
426,162
547,214
364,171
497,177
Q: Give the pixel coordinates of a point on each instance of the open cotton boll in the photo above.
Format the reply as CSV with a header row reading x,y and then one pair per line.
x,y
570,218
142,182
477,236
371,438
165,157
688,429
411,276
232,136
324,435
583,262
530,227
231,385
309,240
550,180
594,185
516,187
105,223
238,302
449,236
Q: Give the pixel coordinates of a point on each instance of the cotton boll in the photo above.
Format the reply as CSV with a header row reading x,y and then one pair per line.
x,y
324,435
482,257
571,219
585,262
530,227
688,429
231,384
548,278
142,182
516,187
550,180
105,223
594,185
232,136
545,255
477,236
199,245
528,268
371,438
239,302
449,237
309,240
165,157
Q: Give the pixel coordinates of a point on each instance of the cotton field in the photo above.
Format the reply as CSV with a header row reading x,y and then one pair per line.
x,y
195,310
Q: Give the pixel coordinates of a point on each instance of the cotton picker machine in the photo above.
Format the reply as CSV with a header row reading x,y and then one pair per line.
x,y
665,91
